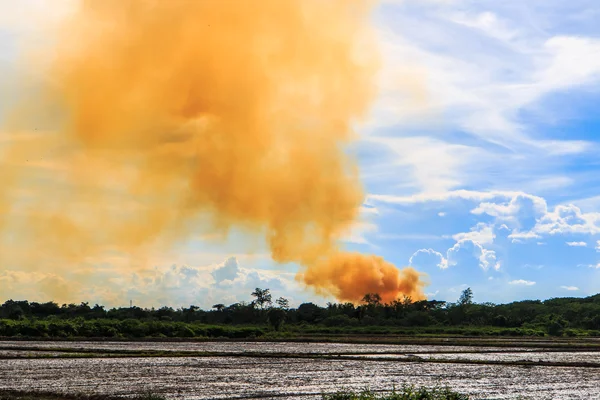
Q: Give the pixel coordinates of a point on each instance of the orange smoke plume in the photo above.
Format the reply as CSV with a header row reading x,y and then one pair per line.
x,y
172,119
349,276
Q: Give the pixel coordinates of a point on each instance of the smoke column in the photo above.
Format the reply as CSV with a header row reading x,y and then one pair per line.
x,y
160,121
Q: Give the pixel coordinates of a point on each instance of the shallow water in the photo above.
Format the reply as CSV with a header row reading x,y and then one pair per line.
x,y
249,377
259,347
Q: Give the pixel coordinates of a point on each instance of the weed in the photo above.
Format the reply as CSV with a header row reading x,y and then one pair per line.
x,y
405,393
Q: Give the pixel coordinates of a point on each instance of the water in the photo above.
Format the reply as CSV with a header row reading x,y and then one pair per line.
x,y
229,377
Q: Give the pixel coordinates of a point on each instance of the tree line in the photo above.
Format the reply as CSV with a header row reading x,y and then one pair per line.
x,y
556,316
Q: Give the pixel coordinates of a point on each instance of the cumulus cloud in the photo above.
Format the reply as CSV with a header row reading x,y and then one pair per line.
x,y
568,219
227,271
427,259
466,252
481,233
527,216
521,282
577,244
230,283
177,285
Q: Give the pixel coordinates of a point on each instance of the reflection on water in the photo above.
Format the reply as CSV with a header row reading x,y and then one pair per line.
x,y
231,377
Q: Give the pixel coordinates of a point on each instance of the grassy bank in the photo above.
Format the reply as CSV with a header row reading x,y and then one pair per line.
x,y
139,329
35,395
405,393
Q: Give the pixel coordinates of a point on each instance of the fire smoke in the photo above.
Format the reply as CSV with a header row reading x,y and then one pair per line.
x,y
160,121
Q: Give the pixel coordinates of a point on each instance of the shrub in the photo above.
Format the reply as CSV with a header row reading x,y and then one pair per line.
x,y
406,393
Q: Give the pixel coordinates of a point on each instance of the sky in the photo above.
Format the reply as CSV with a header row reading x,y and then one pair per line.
x,y
479,159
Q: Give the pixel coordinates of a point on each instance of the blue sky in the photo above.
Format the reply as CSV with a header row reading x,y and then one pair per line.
x,y
492,182
480,159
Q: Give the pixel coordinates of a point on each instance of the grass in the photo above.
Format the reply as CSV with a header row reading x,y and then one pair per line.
x,y
405,393
38,395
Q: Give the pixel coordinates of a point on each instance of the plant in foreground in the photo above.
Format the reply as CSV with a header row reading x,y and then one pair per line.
x,y
405,393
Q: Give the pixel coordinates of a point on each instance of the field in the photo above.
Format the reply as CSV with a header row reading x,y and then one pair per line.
x,y
499,369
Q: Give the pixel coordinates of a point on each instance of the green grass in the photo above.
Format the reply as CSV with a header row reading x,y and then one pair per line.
x,y
405,393
33,395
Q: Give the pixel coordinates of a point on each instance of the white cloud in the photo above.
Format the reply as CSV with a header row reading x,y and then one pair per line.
x,y
521,282
577,244
441,214
487,22
570,288
527,215
520,212
474,68
427,258
471,195
568,219
520,237
522,65
429,165
480,233
227,271
359,231
465,251
574,60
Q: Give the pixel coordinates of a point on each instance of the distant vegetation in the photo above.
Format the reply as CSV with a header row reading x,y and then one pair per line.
x,y
264,318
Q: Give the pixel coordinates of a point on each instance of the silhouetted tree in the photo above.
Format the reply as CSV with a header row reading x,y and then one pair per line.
x,y
372,299
263,298
283,303
466,297
276,317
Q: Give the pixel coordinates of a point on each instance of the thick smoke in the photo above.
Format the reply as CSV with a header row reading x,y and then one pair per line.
x,y
160,121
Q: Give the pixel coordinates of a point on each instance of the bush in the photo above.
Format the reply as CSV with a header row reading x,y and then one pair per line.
x,y
340,320
406,393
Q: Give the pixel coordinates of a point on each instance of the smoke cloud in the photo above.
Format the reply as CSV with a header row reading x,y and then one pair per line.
x,y
163,121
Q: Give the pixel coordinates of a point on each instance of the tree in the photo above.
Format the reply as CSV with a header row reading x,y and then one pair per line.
x,y
276,317
283,303
556,326
466,297
219,307
308,312
263,298
372,299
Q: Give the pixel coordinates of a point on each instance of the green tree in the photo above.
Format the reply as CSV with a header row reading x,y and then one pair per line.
x,y
556,326
263,298
283,303
276,317
466,297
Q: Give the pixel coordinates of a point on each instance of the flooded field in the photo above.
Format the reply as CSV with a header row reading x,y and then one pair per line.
x,y
261,347
235,377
